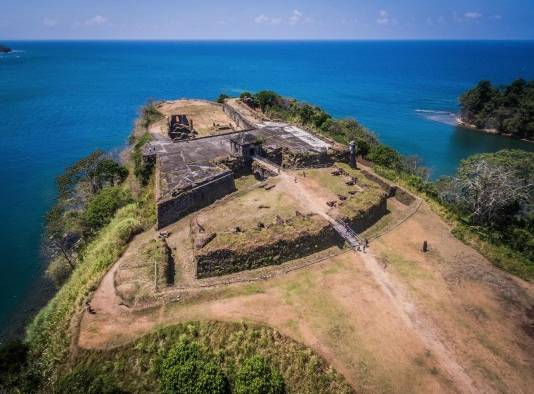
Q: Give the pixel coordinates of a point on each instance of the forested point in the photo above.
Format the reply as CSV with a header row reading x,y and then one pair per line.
x,y
508,109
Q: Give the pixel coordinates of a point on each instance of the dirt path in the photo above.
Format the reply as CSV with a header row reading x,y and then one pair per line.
x,y
413,319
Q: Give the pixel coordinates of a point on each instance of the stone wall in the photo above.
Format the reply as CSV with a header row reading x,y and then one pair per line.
x,y
239,119
366,219
225,261
188,201
236,164
391,189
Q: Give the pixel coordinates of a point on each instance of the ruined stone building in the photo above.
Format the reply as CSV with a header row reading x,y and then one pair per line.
x,y
192,173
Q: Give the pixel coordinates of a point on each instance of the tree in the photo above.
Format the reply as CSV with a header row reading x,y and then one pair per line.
x,y
489,188
80,173
385,156
103,206
109,173
255,376
185,369
86,381
509,108
266,99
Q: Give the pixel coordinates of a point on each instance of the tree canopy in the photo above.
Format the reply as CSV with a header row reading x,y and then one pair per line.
x,y
508,109
496,191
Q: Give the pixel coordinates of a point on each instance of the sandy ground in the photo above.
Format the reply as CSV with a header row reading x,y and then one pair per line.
x,y
391,320
208,117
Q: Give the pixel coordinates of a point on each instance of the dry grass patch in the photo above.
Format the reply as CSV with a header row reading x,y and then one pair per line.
x,y
208,118
140,276
255,206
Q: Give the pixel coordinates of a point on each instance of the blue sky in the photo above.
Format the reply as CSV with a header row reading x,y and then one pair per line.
x,y
272,19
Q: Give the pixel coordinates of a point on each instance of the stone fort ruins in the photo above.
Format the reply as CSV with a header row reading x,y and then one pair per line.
x,y
193,171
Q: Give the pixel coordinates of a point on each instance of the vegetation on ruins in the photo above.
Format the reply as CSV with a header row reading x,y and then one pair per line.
x,y
508,109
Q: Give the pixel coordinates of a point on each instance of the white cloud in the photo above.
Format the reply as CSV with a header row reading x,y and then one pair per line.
x,y
295,17
49,22
473,15
496,17
262,19
385,19
97,20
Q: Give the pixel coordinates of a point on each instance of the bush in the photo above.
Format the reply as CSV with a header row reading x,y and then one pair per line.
x,y
103,206
185,370
58,270
256,377
142,169
149,114
384,156
267,99
222,98
86,382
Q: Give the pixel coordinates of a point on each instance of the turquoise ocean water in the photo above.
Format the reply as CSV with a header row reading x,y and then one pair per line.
x,y
61,100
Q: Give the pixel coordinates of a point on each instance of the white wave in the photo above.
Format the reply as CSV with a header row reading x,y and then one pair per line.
x,y
446,117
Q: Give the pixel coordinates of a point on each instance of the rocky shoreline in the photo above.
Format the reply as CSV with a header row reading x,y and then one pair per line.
x,y
467,125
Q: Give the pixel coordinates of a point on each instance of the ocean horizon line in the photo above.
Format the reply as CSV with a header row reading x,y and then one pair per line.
x,y
475,40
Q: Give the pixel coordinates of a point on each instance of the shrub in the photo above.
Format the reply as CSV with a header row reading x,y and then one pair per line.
x,y
58,270
255,376
103,206
142,169
185,370
86,382
267,99
222,98
384,156
149,114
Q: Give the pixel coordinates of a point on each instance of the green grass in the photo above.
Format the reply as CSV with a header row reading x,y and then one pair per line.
x,y
357,204
252,237
133,367
49,335
244,182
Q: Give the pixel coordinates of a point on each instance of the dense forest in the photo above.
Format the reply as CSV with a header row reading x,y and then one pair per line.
x,y
508,109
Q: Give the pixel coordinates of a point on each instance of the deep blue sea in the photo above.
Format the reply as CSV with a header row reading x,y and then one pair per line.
x,y
61,100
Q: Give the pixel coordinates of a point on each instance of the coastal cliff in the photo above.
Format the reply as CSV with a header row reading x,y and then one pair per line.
x,y
4,49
